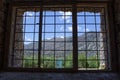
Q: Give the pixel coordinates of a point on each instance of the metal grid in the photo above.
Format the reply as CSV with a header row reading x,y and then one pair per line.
x,y
58,44
52,42
92,27
26,33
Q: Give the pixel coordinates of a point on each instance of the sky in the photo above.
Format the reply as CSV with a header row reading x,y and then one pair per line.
x,y
61,17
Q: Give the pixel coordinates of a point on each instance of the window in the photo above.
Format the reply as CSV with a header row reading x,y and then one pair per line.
x,y
60,37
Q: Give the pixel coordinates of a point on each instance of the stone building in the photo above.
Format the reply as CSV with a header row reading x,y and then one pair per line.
x,y
114,9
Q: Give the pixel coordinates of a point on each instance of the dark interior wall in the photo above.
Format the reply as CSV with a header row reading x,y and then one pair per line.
x,y
1,30
117,25
58,76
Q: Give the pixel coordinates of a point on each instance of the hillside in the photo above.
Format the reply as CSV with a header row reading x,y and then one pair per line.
x,y
49,46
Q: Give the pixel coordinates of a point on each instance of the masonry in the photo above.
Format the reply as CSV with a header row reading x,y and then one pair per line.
x,y
58,76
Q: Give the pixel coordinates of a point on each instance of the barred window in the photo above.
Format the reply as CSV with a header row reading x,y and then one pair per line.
x,y
73,37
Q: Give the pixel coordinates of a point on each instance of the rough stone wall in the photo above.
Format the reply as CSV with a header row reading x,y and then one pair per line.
x,y
58,76
18,45
103,64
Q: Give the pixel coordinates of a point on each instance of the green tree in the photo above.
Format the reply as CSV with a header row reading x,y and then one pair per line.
x,y
93,62
82,62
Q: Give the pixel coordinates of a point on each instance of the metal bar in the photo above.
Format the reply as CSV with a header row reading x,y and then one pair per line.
x,y
96,36
12,59
40,36
75,40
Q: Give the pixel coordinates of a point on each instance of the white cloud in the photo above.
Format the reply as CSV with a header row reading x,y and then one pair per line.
x,y
87,29
68,21
29,13
27,43
27,39
70,28
82,29
61,12
61,36
65,15
68,13
49,38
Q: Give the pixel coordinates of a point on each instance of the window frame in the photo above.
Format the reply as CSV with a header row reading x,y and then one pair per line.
x,y
60,70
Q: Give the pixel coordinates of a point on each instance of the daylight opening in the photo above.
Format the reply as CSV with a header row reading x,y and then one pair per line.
x,y
44,38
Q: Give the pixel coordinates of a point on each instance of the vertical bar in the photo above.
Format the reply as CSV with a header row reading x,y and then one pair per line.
x,y
96,36
64,42
24,39
106,34
85,37
54,38
12,55
33,63
44,37
40,36
75,40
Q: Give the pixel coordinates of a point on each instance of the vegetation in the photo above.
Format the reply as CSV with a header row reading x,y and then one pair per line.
x,y
60,62
88,62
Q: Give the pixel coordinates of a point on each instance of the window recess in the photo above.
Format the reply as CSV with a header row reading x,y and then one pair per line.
x,y
60,37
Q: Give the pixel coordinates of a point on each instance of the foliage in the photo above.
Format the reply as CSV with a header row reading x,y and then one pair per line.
x,y
93,62
48,61
82,63
88,62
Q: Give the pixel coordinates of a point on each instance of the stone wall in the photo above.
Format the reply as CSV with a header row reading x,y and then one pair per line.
x,y
57,76
18,45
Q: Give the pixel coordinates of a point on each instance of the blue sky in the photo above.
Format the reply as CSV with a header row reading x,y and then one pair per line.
x,y
63,16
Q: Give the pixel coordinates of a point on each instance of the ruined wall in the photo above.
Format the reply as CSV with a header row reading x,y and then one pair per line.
x,y
57,76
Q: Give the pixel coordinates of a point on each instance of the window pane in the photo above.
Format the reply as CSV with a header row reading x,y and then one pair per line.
x,y
48,20
92,40
29,20
49,28
26,39
56,36
48,40
29,28
60,28
91,36
81,19
90,19
59,20
36,28
81,28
